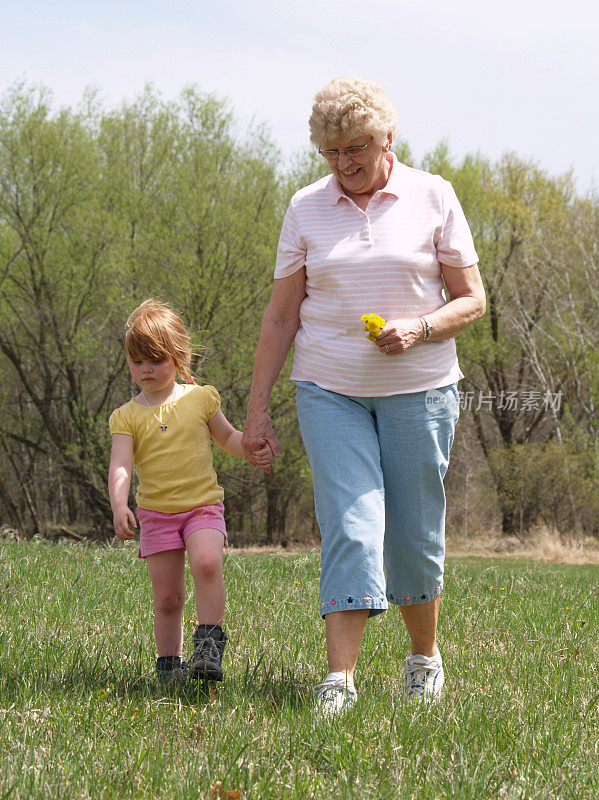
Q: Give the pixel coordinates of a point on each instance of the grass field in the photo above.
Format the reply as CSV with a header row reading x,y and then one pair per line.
x,y
82,717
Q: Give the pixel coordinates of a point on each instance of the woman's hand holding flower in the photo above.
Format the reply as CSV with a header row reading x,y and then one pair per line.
x,y
399,335
393,337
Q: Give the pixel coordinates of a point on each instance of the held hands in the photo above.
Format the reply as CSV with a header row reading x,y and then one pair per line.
x,y
263,458
123,521
258,441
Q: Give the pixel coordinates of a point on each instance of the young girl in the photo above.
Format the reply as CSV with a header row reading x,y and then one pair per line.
x,y
165,430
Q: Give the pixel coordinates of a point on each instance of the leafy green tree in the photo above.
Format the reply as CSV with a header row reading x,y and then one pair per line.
x,y
528,360
101,209
54,269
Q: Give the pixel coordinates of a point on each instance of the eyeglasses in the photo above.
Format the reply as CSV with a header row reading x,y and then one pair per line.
x,y
333,155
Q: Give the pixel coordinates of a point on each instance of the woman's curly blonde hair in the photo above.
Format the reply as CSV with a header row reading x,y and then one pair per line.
x,y
351,107
154,331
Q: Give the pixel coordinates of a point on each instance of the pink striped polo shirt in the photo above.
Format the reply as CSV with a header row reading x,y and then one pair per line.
x,y
384,261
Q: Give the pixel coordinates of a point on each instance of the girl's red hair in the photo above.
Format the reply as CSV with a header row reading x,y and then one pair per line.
x,y
154,331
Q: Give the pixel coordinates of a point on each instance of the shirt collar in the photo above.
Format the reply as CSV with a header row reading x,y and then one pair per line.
x,y
391,187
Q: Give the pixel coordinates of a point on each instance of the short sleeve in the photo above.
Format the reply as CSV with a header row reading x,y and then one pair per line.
x,y
211,402
291,252
121,422
455,246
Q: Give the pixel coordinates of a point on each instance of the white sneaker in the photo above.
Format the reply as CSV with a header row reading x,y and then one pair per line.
x,y
334,697
424,677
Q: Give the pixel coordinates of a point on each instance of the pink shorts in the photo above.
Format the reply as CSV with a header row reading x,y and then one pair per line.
x,y
161,531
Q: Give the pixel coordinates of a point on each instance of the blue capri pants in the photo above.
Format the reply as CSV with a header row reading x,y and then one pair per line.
x,y
378,465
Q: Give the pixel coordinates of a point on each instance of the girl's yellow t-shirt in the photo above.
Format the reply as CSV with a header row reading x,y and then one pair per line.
x,y
174,466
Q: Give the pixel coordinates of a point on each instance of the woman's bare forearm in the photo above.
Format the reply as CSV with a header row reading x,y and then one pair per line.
x,y
454,317
275,341
279,325
467,302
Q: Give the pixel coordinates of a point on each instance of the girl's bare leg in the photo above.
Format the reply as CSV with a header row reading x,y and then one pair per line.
x,y
167,573
205,553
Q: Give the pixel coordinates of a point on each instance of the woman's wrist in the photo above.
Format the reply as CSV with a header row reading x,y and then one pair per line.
x,y
257,423
256,411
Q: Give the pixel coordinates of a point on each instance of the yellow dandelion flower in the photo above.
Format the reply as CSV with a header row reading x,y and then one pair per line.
x,y
373,324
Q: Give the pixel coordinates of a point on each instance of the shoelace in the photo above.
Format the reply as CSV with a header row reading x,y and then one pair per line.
x,y
323,689
417,682
207,649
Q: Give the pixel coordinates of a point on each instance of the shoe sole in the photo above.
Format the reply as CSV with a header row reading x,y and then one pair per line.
x,y
424,698
329,711
204,671
171,680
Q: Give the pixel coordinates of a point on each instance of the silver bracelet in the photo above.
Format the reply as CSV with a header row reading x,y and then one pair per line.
x,y
428,329
423,323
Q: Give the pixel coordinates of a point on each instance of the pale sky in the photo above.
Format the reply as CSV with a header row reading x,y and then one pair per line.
x,y
517,75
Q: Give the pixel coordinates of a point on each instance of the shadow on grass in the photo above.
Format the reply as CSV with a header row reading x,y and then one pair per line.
x,y
100,684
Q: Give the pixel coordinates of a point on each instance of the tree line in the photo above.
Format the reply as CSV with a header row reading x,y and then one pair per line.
x,y
102,208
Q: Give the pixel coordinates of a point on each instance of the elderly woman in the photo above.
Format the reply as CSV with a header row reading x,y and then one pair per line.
x,y
377,417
